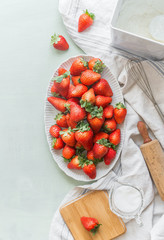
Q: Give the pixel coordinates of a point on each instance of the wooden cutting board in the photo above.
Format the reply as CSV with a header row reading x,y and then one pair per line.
x,y
93,204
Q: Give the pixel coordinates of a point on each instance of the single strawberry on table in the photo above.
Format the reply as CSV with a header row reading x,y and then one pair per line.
x,y
102,101
58,103
54,131
68,152
103,88
96,119
100,148
85,21
96,65
108,111
110,125
111,154
59,42
90,224
68,136
115,137
89,77
57,143
120,112
78,66
61,120
75,163
89,169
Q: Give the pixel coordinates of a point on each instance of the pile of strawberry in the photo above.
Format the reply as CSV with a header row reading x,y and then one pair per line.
x,y
90,133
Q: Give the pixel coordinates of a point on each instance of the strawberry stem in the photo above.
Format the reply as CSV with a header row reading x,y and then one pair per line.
x,y
104,142
55,39
120,105
90,14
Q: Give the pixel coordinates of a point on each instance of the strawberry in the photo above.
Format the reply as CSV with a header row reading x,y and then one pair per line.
x,y
108,111
76,80
110,125
103,88
89,96
76,112
61,71
68,152
54,91
74,163
111,154
85,20
68,136
57,143
103,101
96,119
58,103
78,66
90,155
89,77
100,148
59,42
62,83
99,136
89,169
54,131
77,91
91,224
61,120
84,135
78,145
120,113
70,123
96,65
115,137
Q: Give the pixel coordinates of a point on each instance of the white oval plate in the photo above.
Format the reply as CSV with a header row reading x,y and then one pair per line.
x,y
50,113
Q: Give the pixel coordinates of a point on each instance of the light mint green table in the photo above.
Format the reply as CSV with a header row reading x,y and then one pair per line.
x,y
31,184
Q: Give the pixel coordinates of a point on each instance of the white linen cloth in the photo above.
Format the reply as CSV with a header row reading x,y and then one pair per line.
x,y
131,167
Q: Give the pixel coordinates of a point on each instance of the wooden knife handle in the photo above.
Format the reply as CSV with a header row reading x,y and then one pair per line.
x,y
143,131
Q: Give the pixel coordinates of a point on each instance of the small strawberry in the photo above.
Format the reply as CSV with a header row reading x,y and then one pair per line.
x,y
108,111
90,155
78,66
77,113
110,125
70,122
62,83
89,77
96,119
96,65
84,135
61,120
59,42
103,88
89,96
54,131
85,20
90,224
103,101
76,80
57,143
58,103
54,91
68,136
74,163
68,152
89,169
111,154
120,113
100,148
99,136
115,137
77,91
61,71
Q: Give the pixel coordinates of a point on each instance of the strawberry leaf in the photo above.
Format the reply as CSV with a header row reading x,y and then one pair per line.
x,y
79,150
90,14
67,160
58,79
97,112
82,126
54,94
85,63
54,141
87,105
55,39
104,142
95,229
107,130
65,133
98,66
58,116
120,105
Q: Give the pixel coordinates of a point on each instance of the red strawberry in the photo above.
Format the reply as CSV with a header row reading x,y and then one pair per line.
x,y
85,20
89,169
54,131
54,91
111,154
100,148
110,125
89,96
120,112
70,122
76,80
75,100
76,112
90,155
61,120
78,66
103,101
68,152
96,65
77,91
61,71
99,136
108,111
74,163
84,135
68,136
115,137
59,42
90,224
89,77
96,119
103,88
57,143
58,103
62,83
78,145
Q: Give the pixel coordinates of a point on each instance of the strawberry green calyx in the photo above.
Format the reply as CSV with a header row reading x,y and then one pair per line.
x,y
67,106
120,105
97,112
55,39
53,142
89,14
95,229
82,159
82,126
79,150
54,94
58,79
85,63
113,146
58,116
107,130
87,105
104,142
98,66
67,160
65,133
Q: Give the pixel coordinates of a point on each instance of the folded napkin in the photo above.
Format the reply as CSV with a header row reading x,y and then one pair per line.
x,y
131,167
